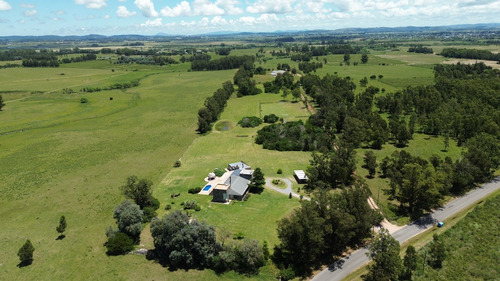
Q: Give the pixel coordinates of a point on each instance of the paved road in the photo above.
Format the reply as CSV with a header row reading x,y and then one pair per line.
x,y
344,267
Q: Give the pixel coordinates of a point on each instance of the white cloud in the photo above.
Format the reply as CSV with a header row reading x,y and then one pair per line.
x,y
5,6
92,4
218,20
263,19
152,23
30,13
276,6
122,1
206,8
147,8
122,12
60,12
107,17
27,6
182,9
316,7
229,6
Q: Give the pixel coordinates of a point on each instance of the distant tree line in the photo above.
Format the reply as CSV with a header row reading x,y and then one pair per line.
x,y
308,67
82,58
116,86
149,60
470,54
213,107
230,62
420,49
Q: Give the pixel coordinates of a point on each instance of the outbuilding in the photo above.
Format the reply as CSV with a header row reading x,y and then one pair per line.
x,y
300,176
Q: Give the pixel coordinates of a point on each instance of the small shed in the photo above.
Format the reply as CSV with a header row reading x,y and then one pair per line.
x,y
300,176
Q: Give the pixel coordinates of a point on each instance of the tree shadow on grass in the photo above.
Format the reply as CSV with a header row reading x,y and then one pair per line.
x,y
24,263
61,237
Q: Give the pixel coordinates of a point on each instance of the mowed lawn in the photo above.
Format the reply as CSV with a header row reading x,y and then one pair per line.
x,y
75,159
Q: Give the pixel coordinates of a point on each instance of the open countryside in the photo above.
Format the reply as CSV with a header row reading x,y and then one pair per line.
x,y
123,144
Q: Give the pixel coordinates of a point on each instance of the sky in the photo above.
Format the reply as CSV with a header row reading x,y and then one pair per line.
x,y
189,17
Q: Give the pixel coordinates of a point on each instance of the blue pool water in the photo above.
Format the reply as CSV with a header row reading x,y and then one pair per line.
x,y
207,188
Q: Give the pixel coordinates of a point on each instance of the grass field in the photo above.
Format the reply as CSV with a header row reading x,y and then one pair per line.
x,y
61,157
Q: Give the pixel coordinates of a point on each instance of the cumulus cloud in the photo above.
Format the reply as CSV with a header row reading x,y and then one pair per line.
x,y
122,12
276,6
229,6
30,13
92,4
218,20
107,17
182,9
206,8
263,19
5,6
152,23
147,8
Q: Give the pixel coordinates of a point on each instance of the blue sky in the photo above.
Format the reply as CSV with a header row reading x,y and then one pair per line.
x,y
110,17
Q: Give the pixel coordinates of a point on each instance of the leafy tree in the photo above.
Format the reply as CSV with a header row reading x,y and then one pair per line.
x,y
370,163
363,82
347,57
409,262
258,181
119,243
296,93
437,252
139,191
250,122
483,152
384,251
244,257
285,93
62,226
271,118
181,243
129,219
25,253
354,131
2,104
364,58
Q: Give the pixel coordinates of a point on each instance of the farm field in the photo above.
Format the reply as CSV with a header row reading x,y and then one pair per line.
x,y
62,157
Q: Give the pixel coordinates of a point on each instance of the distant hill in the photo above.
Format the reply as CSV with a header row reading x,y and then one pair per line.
x,y
163,36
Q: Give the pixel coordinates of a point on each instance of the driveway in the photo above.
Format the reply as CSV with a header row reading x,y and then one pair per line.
x,y
286,191
342,268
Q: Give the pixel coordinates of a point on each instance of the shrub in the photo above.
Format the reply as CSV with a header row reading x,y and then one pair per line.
x,y
148,214
168,207
197,208
238,235
271,118
219,172
190,204
194,190
25,253
177,164
280,172
250,122
286,274
84,100
119,243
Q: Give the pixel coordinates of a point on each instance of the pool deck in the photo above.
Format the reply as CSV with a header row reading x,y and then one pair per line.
x,y
214,182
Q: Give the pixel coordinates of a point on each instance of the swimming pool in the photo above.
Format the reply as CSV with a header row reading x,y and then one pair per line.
x,y
207,187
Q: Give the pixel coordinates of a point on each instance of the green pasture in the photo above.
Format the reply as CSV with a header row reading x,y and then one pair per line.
x,y
73,161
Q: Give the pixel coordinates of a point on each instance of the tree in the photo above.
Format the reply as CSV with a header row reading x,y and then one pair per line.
x,y
347,57
384,251
296,93
370,163
437,252
2,104
61,227
245,257
129,219
483,152
181,243
25,253
257,183
119,243
139,191
364,58
285,93
363,82
409,262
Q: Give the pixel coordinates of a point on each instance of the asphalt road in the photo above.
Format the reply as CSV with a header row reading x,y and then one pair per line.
x,y
344,267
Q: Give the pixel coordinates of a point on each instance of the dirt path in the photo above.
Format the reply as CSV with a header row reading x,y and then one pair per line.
x,y
385,223
308,105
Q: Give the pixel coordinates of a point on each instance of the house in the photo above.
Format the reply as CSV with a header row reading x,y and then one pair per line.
x,y
275,73
236,183
300,176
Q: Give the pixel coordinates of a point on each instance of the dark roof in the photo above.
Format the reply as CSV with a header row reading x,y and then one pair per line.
x,y
239,185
